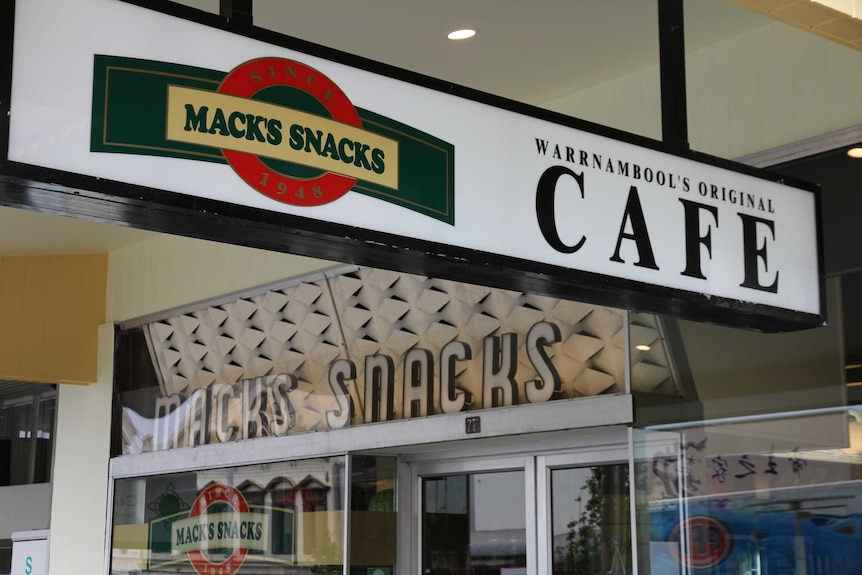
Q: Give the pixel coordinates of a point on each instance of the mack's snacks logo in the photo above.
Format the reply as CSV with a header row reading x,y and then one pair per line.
x,y
219,533
284,127
219,520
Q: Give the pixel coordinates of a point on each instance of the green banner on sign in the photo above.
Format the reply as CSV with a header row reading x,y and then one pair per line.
x,y
130,111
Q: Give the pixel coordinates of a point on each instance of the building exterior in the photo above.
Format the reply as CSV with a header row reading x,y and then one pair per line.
x,y
225,405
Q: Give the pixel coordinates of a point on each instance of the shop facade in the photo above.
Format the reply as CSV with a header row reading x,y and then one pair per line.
x,y
447,404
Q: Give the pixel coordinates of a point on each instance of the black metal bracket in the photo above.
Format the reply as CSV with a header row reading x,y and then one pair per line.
x,y
671,39
237,11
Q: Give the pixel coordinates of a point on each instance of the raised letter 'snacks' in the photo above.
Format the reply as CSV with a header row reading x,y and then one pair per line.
x,y
268,406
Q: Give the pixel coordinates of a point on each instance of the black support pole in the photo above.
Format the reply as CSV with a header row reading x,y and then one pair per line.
x,y
671,39
7,32
237,11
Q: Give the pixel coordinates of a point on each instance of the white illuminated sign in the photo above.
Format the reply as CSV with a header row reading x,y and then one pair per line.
x,y
510,184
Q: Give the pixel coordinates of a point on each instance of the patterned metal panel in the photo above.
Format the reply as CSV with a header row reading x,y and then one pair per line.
x,y
387,319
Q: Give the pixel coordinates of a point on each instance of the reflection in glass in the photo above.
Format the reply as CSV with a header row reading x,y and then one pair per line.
x,y
372,514
27,436
590,518
279,518
474,524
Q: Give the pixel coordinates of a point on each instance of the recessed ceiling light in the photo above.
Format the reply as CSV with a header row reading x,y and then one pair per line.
x,y
642,347
461,34
855,152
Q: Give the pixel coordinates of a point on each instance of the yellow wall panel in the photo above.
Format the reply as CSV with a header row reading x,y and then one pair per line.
x,y
50,311
11,312
58,302
33,350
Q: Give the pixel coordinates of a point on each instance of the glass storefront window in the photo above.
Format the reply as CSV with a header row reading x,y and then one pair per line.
x,y
372,514
280,518
762,495
27,436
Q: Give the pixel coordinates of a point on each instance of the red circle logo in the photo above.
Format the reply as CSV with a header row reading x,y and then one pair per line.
x,y
248,79
708,542
234,499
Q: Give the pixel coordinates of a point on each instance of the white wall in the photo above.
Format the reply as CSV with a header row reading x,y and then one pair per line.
x,y
165,272
82,445
762,89
24,507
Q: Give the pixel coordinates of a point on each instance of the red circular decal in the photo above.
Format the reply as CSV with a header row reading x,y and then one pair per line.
x,y
708,542
234,499
249,78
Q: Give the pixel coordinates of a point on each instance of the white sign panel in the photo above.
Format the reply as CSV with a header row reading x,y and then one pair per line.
x,y
148,99
30,552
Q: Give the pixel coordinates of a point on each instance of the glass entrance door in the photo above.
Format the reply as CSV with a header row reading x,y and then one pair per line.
x,y
474,524
590,520
561,514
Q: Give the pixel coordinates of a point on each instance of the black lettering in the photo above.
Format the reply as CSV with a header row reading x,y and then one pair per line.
x,y
361,160
542,146
273,132
623,168
693,239
344,145
751,253
648,175
634,214
219,123
377,164
196,120
330,148
297,140
313,140
253,123
235,131
546,193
